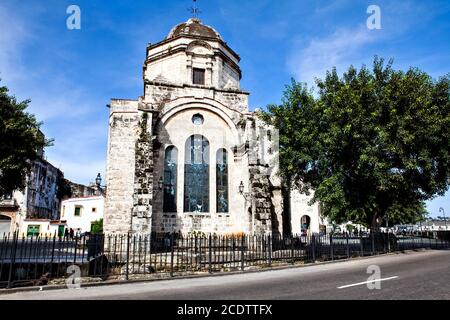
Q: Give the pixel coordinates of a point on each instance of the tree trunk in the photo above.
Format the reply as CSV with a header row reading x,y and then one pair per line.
x,y
375,224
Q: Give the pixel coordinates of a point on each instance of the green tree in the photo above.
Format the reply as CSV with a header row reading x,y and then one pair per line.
x,y
97,226
20,142
368,143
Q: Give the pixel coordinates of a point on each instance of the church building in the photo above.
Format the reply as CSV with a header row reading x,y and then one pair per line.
x,y
188,156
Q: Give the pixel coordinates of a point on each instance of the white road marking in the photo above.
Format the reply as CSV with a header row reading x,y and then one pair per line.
x,y
366,282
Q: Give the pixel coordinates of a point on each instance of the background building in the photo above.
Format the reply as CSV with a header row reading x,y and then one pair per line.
x,y
79,213
36,209
40,200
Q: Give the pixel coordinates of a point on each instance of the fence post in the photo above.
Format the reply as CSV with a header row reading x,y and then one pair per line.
x,y
421,240
292,250
210,254
53,254
373,242
242,252
269,244
331,247
313,248
348,246
75,250
389,241
128,257
13,258
172,248
361,244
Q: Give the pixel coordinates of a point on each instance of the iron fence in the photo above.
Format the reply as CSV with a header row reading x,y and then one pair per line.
x,y
27,261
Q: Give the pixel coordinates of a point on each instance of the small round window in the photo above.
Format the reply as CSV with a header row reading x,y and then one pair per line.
x,y
197,119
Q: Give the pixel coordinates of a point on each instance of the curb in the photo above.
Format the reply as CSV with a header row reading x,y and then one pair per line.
x,y
221,274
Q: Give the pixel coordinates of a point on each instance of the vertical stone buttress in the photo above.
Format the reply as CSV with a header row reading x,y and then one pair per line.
x,y
141,220
120,169
259,184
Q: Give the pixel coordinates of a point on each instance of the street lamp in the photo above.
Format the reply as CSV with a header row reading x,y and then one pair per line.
x,y
246,195
98,183
241,188
443,212
98,180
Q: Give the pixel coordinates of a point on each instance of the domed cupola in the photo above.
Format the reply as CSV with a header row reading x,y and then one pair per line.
x,y
194,27
193,54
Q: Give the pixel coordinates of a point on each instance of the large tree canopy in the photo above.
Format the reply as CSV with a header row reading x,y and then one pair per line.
x,y
20,141
369,143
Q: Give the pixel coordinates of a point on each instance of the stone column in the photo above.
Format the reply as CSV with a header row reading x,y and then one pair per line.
x,y
120,170
143,180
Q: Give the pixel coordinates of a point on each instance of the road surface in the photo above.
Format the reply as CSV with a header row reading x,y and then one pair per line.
x,y
414,275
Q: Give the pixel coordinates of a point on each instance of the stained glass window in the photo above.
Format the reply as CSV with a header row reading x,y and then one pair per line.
x,y
170,180
222,181
196,174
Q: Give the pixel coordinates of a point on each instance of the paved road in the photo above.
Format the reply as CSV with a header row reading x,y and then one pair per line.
x,y
416,275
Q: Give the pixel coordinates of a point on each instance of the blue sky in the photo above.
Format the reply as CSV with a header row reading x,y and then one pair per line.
x,y
70,75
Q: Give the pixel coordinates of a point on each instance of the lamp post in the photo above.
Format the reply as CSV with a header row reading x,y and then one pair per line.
x,y
241,188
98,183
246,196
443,212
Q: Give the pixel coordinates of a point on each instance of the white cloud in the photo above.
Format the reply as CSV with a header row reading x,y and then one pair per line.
x,y
312,57
340,50
80,150
13,36
69,111
52,104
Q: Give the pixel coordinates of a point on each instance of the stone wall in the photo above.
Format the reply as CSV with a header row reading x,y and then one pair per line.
x,y
76,190
158,94
174,132
262,199
173,62
120,176
143,183
299,207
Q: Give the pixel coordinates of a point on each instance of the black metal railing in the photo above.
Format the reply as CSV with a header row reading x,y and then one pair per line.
x,y
27,261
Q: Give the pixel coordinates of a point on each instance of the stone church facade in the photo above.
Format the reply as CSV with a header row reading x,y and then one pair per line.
x,y
188,156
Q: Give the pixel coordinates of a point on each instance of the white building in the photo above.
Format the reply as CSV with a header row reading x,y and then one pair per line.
x,y
41,227
79,213
432,225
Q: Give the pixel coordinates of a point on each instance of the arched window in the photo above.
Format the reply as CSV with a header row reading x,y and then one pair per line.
x,y
222,181
196,174
170,180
